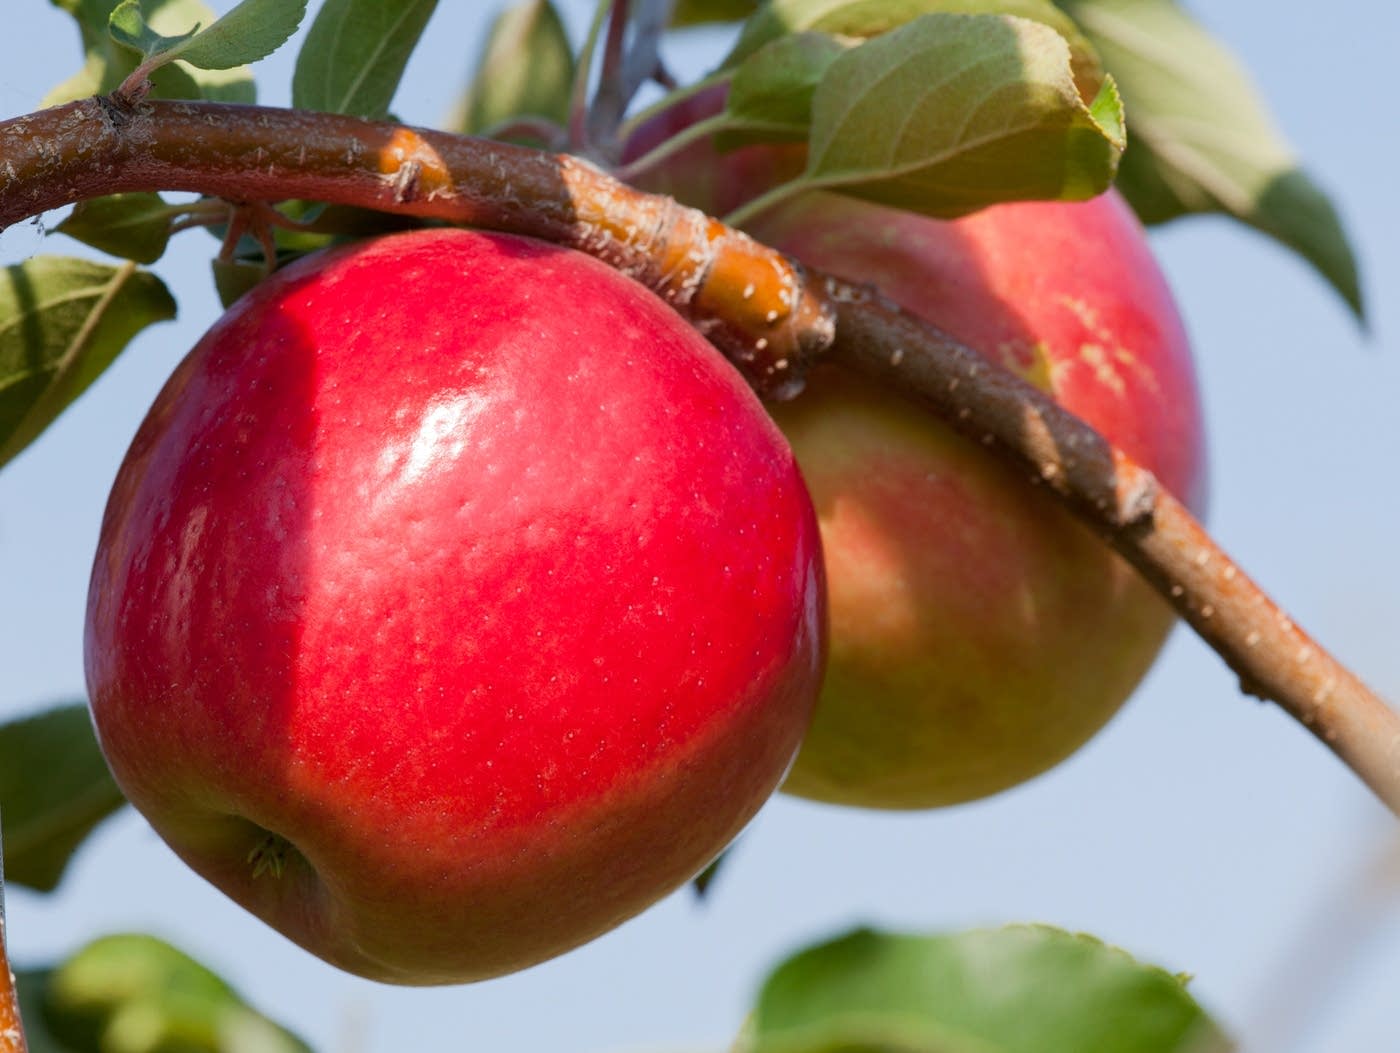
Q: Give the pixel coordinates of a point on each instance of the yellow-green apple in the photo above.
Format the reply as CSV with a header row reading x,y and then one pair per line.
x,y
454,602
979,635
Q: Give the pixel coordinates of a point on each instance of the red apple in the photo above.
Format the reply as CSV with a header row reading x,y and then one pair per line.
x,y
979,635
454,602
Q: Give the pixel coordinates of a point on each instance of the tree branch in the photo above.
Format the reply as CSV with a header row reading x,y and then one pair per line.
x,y
1123,502
11,1031
744,297
762,310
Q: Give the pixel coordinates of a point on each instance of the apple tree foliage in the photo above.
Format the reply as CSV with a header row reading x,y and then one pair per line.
x,y
937,106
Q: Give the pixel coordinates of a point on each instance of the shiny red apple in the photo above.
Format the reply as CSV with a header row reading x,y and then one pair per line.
x,y
454,602
979,635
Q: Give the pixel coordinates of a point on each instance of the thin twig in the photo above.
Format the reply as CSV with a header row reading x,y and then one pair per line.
x,y
643,61
1274,659
625,70
605,110
758,307
583,78
1328,953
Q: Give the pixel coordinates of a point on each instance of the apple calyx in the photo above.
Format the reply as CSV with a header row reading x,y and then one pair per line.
x,y
269,855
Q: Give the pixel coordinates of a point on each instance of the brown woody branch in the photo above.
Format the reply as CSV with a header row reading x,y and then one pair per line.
x,y
762,310
11,1031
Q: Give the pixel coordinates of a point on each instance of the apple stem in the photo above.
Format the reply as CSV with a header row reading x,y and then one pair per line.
x,y
771,318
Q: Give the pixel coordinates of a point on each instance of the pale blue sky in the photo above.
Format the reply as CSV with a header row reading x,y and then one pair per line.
x,y
1201,830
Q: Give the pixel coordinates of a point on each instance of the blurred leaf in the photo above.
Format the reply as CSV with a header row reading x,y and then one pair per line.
x,y
770,94
54,789
881,126
97,69
133,226
62,322
30,985
526,69
355,53
233,278
869,18
137,994
697,12
216,85
1203,140
703,880
1015,990
106,63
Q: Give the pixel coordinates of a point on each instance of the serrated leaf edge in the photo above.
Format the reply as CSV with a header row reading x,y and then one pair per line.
x,y
837,179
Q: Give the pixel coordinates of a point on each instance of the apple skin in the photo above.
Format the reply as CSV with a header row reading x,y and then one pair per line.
x,y
454,602
979,634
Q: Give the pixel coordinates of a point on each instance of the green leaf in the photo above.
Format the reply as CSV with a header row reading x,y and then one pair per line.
x,y
216,85
134,993
250,31
1015,990
950,113
88,81
30,984
128,27
62,322
133,226
698,12
233,278
526,69
1203,140
863,19
54,789
770,94
355,54
253,30
106,63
